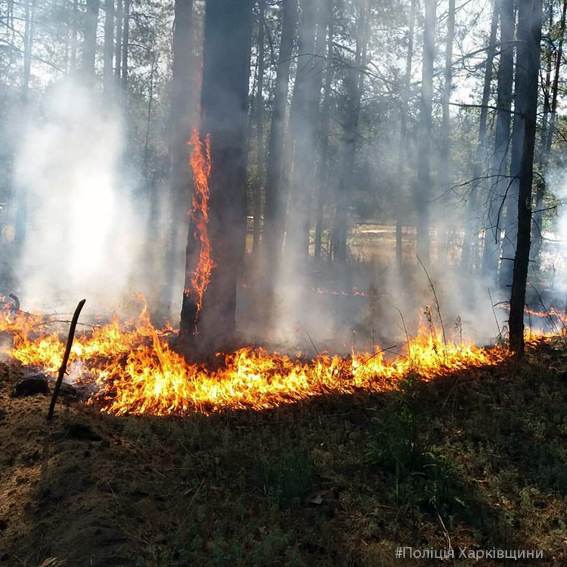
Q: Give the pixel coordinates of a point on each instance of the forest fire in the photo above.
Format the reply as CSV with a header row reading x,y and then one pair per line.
x,y
133,371
201,165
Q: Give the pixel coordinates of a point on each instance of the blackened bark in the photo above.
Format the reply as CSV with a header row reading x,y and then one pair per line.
x,y
529,34
226,67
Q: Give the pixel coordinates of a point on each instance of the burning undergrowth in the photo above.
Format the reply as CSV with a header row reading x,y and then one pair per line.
x,y
131,369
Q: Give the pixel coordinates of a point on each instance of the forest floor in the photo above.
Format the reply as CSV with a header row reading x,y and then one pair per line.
x,y
477,459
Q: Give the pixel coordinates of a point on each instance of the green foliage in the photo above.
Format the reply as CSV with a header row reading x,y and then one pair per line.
x,y
288,478
399,444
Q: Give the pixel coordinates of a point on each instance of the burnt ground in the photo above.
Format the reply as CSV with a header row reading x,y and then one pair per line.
x,y
476,459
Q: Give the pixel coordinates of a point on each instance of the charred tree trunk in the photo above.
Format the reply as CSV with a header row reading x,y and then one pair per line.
x,y
499,185
547,137
181,120
259,182
469,258
273,220
89,45
529,36
108,49
226,67
325,128
424,184
403,150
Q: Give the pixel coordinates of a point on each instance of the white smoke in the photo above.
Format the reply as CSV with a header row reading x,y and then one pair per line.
x,y
83,235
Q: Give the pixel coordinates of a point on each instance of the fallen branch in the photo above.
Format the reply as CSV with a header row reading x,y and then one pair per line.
x,y
63,367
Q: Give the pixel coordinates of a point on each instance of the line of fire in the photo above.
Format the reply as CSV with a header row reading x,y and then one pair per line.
x,y
319,251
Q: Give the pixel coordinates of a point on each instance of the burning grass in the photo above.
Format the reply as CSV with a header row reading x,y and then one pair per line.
x,y
132,370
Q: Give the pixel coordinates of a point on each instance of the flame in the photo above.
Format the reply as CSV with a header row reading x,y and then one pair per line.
x,y
133,371
201,165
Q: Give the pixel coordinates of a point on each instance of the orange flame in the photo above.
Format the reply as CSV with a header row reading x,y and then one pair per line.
x,y
134,371
201,165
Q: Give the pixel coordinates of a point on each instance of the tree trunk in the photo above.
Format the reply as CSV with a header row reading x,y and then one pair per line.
x,y
89,45
500,182
529,36
274,217
325,128
469,258
550,113
303,125
118,47
22,193
226,66
181,120
259,182
125,44
424,185
403,149
518,135
354,86
74,31
28,46
108,49
445,176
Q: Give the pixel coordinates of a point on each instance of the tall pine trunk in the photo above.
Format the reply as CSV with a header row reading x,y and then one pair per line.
x,y
354,87
500,181
181,120
226,67
403,148
125,44
470,255
118,46
303,127
108,49
324,132
529,36
423,187
89,43
445,174
547,140
274,214
259,119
